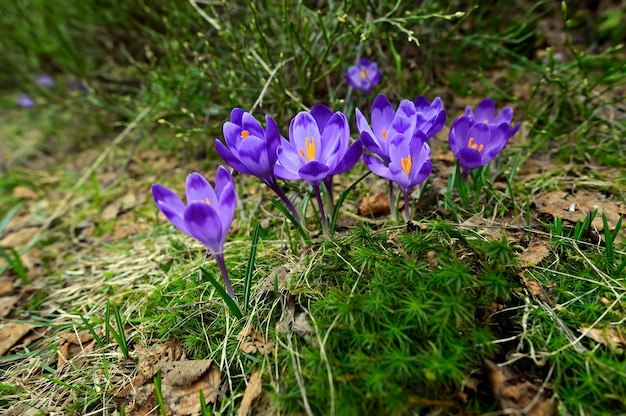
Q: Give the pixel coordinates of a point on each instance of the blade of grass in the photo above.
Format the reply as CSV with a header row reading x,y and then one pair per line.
x,y
159,394
342,198
250,267
299,227
230,303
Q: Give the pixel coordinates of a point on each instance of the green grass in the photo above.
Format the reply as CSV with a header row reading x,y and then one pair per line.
x,y
378,318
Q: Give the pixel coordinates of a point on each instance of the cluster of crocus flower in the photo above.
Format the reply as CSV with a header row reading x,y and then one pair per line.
x,y
479,136
319,147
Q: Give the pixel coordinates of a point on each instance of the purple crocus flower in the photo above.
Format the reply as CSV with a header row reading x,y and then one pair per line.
x,y
318,147
430,116
476,144
252,150
409,164
44,80
479,136
207,215
363,76
25,101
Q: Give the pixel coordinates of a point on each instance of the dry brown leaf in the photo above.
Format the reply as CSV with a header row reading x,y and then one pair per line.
x,y
253,390
23,192
10,334
575,207
536,289
513,393
252,342
19,237
487,228
281,275
6,305
375,205
110,211
71,346
182,381
6,287
292,322
610,336
535,253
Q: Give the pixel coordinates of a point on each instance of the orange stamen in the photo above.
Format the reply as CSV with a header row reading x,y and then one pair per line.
x,y
363,74
470,143
244,134
384,133
406,164
207,201
309,148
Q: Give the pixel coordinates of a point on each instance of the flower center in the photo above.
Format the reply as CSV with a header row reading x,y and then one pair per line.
x,y
384,133
309,148
486,121
406,164
470,143
363,74
244,134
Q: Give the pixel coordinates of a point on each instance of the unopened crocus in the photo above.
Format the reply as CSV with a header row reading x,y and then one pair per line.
x,y
409,164
430,116
363,76
25,101
315,153
251,150
479,136
208,214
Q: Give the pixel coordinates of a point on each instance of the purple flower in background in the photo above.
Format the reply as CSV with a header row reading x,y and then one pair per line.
x,y
479,136
25,101
74,84
476,144
363,76
252,150
207,215
409,164
318,147
430,116
44,80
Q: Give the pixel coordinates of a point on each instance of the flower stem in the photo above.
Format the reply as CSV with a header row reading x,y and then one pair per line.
x,y
320,203
219,258
330,203
274,187
392,203
406,205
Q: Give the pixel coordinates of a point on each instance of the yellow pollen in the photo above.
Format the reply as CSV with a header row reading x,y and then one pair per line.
x,y
310,149
406,164
363,74
486,121
244,134
470,143
207,201
384,133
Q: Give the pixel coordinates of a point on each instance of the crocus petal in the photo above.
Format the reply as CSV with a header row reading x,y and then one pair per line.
x,y
314,172
399,176
272,135
503,116
228,204
285,174
303,132
198,189
236,116
170,205
223,178
230,159
349,159
205,224
335,138
372,146
469,158
485,110
249,123
514,129
377,166
253,153
232,134
321,114
289,158
362,123
458,134
382,116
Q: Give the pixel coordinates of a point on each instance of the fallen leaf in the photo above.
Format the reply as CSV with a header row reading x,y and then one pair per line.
x,y
375,205
535,253
110,211
487,228
6,305
609,336
253,342
280,277
253,390
575,207
23,192
6,287
72,346
183,380
516,395
10,334
19,237
536,289
290,321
